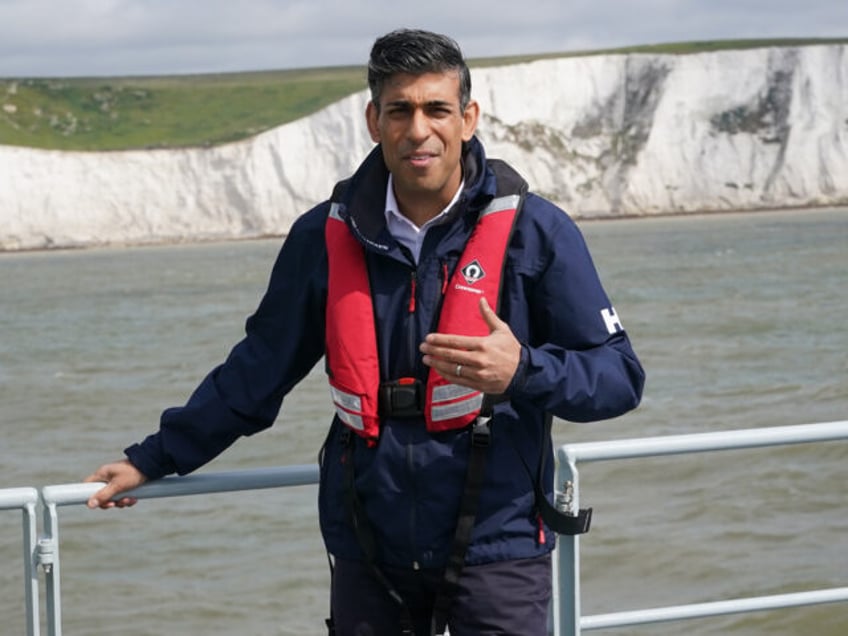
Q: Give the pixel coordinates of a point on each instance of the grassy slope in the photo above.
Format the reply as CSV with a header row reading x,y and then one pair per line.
x,y
200,110
163,112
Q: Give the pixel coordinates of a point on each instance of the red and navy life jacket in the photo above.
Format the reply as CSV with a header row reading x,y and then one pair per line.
x,y
351,340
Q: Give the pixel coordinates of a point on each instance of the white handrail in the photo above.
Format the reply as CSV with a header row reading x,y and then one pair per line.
x,y
705,442
68,494
717,608
567,616
15,498
199,484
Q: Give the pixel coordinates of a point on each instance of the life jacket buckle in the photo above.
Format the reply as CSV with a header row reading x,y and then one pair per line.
x,y
481,432
402,398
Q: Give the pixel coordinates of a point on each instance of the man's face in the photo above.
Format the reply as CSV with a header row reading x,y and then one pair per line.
x,y
421,129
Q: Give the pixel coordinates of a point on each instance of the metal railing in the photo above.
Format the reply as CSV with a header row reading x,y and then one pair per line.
x,y
26,500
43,551
567,618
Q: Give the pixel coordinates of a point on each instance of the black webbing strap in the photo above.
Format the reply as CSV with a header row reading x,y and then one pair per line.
x,y
560,521
330,622
480,440
365,534
509,182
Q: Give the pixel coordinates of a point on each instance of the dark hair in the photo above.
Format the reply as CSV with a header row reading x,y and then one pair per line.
x,y
416,52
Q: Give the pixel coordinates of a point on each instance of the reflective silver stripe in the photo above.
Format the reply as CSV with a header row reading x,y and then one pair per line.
x,y
345,400
446,392
501,204
334,211
354,421
457,409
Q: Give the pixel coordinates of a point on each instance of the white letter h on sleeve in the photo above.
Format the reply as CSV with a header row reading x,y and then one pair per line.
x,y
611,320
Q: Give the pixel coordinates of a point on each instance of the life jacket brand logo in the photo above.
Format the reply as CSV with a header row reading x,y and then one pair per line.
x,y
473,272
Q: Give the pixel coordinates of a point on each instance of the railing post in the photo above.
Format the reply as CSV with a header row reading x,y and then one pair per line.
x,y
30,528
566,593
26,500
48,558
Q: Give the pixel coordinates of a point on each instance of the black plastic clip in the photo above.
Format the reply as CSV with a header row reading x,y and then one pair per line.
x,y
402,398
481,432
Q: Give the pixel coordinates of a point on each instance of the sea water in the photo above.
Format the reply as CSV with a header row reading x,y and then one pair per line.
x,y
741,320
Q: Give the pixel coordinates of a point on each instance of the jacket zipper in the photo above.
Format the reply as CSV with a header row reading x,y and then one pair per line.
x,y
413,353
413,283
412,516
410,318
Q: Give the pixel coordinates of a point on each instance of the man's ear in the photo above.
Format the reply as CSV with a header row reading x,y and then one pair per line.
x,y
371,117
469,120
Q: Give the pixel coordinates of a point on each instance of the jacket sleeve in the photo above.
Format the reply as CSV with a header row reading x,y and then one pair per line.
x,y
284,339
577,361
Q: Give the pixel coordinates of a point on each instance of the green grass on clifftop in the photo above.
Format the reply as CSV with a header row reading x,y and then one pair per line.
x,y
111,113
118,113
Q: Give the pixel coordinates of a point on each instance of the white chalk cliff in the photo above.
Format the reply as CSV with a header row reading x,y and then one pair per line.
x,y
603,135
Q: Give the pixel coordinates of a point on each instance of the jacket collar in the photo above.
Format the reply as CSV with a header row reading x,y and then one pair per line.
x,y
364,196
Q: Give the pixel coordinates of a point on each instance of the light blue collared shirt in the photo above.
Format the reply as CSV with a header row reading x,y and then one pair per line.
x,y
405,231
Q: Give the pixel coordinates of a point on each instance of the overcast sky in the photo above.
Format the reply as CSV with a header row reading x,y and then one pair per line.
x,y
155,37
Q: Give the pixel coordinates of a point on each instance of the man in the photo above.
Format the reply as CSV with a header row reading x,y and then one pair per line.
x,y
397,280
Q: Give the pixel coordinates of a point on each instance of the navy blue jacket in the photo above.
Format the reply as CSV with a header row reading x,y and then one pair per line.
x,y
575,364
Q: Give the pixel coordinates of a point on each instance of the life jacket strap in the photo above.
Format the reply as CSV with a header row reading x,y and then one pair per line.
x,y
560,521
365,534
481,437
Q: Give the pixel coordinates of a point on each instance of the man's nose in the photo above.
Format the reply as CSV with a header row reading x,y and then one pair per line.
x,y
419,125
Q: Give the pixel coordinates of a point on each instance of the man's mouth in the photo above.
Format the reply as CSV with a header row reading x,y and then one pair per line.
x,y
420,159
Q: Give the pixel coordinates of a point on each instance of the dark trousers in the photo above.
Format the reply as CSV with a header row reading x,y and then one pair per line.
x,y
506,597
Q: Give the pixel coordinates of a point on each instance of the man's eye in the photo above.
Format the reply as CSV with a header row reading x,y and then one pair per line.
x,y
440,111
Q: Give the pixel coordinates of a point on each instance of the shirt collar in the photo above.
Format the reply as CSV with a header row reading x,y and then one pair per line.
x,y
405,231
394,217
